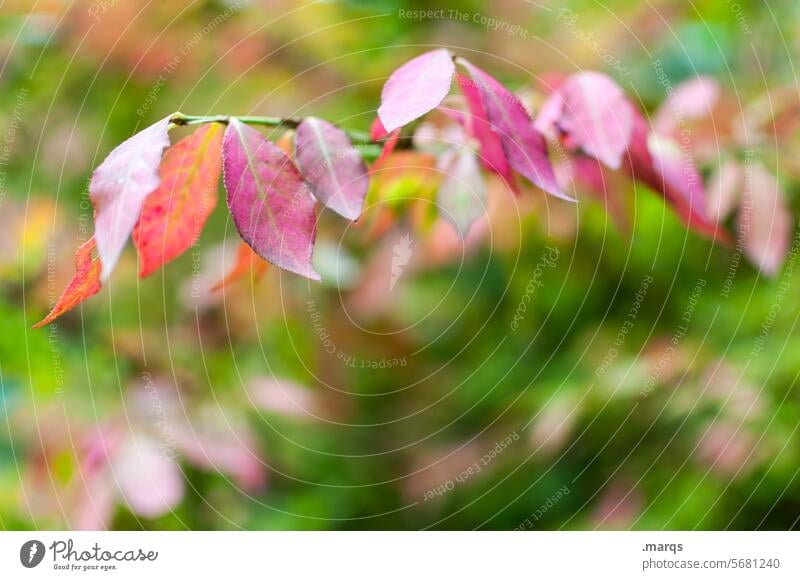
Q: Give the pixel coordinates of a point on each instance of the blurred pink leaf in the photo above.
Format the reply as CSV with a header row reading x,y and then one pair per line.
x,y
524,145
284,397
618,505
214,437
119,187
269,201
727,447
150,483
549,114
462,193
764,220
332,167
692,99
724,190
416,88
94,507
596,116
219,440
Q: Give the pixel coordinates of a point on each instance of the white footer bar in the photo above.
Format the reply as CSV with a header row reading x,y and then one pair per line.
x,y
406,555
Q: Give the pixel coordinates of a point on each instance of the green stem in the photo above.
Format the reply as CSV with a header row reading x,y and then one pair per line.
x,y
285,122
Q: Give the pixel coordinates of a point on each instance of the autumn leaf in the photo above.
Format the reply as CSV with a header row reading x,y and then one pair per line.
x,y
271,206
377,131
388,148
84,284
659,162
525,147
332,167
119,187
596,115
248,263
416,88
492,155
174,214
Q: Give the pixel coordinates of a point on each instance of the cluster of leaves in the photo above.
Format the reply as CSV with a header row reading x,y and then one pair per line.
x,y
164,201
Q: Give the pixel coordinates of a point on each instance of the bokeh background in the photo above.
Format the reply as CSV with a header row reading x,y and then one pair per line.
x,y
558,370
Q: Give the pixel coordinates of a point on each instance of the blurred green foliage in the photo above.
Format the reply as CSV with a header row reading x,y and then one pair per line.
x,y
712,444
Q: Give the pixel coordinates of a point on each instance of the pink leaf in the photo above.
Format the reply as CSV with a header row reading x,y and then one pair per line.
x,y
270,204
220,441
284,397
150,483
119,187
692,99
492,155
524,145
595,114
417,87
94,507
724,190
764,221
462,193
549,114
332,167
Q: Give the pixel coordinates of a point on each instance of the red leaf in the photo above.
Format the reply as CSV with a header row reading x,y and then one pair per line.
x,y
247,263
524,146
332,167
269,201
174,214
660,163
84,284
377,130
492,155
417,87
119,187
388,147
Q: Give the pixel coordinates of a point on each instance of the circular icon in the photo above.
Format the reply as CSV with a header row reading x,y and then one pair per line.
x,y
31,553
